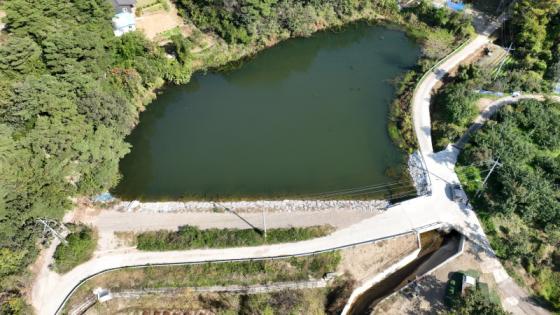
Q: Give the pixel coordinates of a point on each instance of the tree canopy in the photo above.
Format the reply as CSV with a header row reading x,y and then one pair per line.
x,y
521,204
69,93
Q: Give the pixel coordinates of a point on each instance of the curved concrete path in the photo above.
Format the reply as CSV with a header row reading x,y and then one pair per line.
x,y
51,289
491,109
423,92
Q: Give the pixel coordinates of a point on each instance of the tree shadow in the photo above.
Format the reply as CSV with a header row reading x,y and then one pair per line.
x,y
428,289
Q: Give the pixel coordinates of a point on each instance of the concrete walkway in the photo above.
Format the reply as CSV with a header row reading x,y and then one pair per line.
x,y
109,221
423,93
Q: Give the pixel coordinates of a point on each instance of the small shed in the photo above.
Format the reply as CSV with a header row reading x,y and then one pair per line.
x,y
102,295
468,282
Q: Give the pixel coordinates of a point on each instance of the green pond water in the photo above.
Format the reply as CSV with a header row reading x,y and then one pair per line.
x,y
304,117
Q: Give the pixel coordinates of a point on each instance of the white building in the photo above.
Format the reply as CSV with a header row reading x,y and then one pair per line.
x,y
124,20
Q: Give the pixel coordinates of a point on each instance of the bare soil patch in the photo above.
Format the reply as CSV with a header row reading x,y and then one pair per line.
x,y
364,262
155,23
426,296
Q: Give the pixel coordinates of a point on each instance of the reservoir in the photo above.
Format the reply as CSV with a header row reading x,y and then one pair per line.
x,y
305,117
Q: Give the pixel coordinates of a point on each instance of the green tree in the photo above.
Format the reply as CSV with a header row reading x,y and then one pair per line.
x,y
475,303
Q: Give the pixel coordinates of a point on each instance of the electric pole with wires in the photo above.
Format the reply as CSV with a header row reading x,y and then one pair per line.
x,y
496,163
48,229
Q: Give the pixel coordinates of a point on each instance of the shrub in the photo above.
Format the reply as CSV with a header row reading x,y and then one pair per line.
x,y
81,244
188,237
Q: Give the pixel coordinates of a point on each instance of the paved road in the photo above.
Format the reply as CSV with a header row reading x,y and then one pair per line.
x,y
423,93
50,289
109,221
491,109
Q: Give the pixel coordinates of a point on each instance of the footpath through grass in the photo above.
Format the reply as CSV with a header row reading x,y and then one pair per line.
x,y
191,237
81,243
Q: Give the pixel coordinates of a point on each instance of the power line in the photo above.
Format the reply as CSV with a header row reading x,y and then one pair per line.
x,y
389,193
367,191
357,189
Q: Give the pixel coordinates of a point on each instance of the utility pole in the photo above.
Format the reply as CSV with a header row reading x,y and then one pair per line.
x,y
47,227
508,51
496,163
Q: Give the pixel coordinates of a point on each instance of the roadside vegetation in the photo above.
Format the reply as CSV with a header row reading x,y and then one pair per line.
x,y
454,107
191,237
82,241
210,274
477,302
520,205
478,299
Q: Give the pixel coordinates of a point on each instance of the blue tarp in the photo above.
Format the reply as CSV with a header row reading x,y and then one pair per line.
x,y
455,5
500,94
104,197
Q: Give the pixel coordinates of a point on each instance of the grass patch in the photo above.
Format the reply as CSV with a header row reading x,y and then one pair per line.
x,y
81,244
191,237
303,301
209,274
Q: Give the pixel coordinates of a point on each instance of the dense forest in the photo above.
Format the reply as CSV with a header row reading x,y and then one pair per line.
x,y
520,205
534,33
69,93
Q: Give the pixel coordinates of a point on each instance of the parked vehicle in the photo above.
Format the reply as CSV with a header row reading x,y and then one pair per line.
x,y
457,194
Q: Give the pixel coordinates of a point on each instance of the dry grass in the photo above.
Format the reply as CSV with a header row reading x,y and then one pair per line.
x,y
241,273
365,261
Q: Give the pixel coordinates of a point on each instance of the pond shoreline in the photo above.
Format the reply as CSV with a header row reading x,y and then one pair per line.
x,y
292,123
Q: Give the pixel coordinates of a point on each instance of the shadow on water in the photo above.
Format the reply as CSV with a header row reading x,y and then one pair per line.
x,y
436,248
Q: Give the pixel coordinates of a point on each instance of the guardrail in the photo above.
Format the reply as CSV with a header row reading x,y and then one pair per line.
x,y
439,63
332,249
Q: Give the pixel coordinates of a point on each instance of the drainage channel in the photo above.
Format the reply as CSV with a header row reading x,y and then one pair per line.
x,y
436,248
